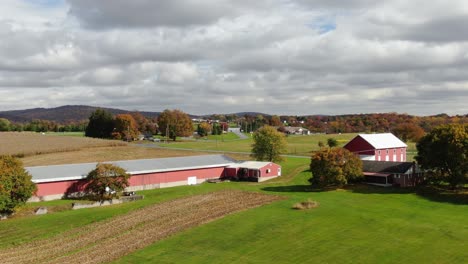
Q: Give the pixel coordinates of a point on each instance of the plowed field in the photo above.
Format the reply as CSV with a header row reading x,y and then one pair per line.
x,y
108,240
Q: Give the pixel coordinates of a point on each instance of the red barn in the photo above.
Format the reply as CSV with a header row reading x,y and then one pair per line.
x,y
53,182
378,147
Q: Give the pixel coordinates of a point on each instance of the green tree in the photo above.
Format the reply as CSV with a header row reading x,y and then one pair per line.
x,y
175,123
100,125
217,129
268,144
16,186
444,153
320,144
334,166
106,181
5,124
331,142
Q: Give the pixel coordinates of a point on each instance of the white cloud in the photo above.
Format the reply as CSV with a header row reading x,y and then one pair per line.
x,y
279,57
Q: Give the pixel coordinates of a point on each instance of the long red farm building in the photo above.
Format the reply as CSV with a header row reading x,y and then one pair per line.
x,y
55,181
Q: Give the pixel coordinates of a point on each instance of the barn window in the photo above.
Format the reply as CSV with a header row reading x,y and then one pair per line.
x,y
268,170
386,152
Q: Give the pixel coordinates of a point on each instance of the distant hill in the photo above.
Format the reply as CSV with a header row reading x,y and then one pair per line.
x,y
77,113
62,114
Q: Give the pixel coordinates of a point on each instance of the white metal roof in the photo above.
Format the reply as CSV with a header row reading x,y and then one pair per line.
x,y
250,164
66,172
383,140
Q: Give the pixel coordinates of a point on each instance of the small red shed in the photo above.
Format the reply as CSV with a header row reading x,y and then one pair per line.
x,y
253,170
378,147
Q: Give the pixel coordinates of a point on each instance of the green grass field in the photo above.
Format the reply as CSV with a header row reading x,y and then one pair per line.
x,y
297,145
358,225
70,134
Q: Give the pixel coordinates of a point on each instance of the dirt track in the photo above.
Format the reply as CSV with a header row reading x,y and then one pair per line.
x,y
108,240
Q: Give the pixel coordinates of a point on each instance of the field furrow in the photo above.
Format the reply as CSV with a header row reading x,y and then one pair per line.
x,y
107,240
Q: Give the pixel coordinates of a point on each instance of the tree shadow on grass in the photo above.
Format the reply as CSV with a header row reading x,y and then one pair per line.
x,y
428,192
443,195
290,188
299,188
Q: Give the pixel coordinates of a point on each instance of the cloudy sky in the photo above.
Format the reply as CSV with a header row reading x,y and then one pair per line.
x,y
223,56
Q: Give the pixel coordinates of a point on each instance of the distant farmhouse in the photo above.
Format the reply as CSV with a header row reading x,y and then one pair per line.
x,y
295,130
54,182
378,147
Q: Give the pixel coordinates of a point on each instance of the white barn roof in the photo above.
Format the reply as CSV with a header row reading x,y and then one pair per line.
x,y
250,164
383,141
68,172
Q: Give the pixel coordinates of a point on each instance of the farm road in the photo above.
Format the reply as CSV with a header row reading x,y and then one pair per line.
x,y
111,239
237,131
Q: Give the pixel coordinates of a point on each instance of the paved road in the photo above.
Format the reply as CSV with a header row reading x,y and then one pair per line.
x,y
236,130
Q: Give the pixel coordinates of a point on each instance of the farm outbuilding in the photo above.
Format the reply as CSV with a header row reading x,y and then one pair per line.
x,y
258,171
54,181
378,147
387,173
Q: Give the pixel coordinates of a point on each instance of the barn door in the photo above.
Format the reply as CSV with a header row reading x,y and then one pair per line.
x,y
192,180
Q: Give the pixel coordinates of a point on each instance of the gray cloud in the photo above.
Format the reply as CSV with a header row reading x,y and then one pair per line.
x,y
279,57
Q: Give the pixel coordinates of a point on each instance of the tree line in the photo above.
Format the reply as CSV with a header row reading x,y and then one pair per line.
x,y
405,126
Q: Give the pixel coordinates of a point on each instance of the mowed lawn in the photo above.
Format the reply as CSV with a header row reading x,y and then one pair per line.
x,y
368,226
359,225
297,145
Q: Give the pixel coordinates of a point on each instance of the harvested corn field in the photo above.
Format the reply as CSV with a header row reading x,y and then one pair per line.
x,y
28,143
108,240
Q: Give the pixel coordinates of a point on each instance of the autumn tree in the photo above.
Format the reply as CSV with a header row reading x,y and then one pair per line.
x,y
409,131
175,123
16,186
275,121
106,181
444,153
100,125
203,129
144,124
125,127
334,166
268,144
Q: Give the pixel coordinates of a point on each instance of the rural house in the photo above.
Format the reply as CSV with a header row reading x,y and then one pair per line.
x,y
387,173
378,147
54,181
295,130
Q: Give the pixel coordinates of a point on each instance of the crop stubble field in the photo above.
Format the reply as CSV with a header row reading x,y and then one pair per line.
x,y
28,143
111,239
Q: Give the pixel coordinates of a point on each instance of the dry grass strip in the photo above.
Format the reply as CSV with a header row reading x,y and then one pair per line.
x,y
111,239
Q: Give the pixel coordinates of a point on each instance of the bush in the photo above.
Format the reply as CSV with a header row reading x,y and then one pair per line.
x,y
335,166
16,186
306,205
